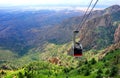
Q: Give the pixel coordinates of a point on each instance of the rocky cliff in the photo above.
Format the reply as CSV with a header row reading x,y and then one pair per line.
x,y
98,31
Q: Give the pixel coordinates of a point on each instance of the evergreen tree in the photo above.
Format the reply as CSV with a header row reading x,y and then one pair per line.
x,y
86,62
114,71
87,73
20,75
99,71
107,71
93,61
99,76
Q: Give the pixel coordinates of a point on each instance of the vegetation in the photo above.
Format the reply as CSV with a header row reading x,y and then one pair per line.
x,y
85,69
30,55
105,39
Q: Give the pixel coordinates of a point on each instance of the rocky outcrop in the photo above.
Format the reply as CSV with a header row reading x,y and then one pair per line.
x,y
55,60
112,9
109,10
117,35
109,49
98,31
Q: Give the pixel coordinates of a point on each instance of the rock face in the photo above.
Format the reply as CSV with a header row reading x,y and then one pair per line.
x,y
117,35
112,9
55,60
98,31
109,49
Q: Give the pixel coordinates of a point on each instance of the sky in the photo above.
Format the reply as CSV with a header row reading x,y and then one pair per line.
x,y
83,3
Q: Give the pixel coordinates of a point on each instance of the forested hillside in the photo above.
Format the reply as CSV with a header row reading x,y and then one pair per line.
x,y
23,30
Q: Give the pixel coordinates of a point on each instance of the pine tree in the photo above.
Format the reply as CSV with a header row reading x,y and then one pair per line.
x,y
93,61
114,71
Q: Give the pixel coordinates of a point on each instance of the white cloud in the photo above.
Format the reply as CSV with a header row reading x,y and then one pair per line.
x,y
109,2
44,2
56,2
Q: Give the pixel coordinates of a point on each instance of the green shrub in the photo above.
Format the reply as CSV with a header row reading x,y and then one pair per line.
x,y
93,61
99,71
86,62
20,75
86,73
113,70
107,72
99,76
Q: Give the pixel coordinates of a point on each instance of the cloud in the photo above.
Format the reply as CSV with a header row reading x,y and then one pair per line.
x,y
56,2
108,2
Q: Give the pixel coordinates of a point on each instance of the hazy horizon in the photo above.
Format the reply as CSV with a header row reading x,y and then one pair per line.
x,y
54,4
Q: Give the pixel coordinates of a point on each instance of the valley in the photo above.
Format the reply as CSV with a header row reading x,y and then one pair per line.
x,y
39,44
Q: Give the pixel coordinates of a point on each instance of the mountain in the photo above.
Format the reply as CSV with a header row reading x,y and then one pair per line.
x,y
91,33
89,66
21,30
50,46
28,32
98,32
100,20
117,34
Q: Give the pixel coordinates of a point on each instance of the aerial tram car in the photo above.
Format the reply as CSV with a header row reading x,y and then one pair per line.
x,y
77,46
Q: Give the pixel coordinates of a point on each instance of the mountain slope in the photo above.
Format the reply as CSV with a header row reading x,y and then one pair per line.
x,y
26,30
98,32
108,66
20,31
47,42
99,35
